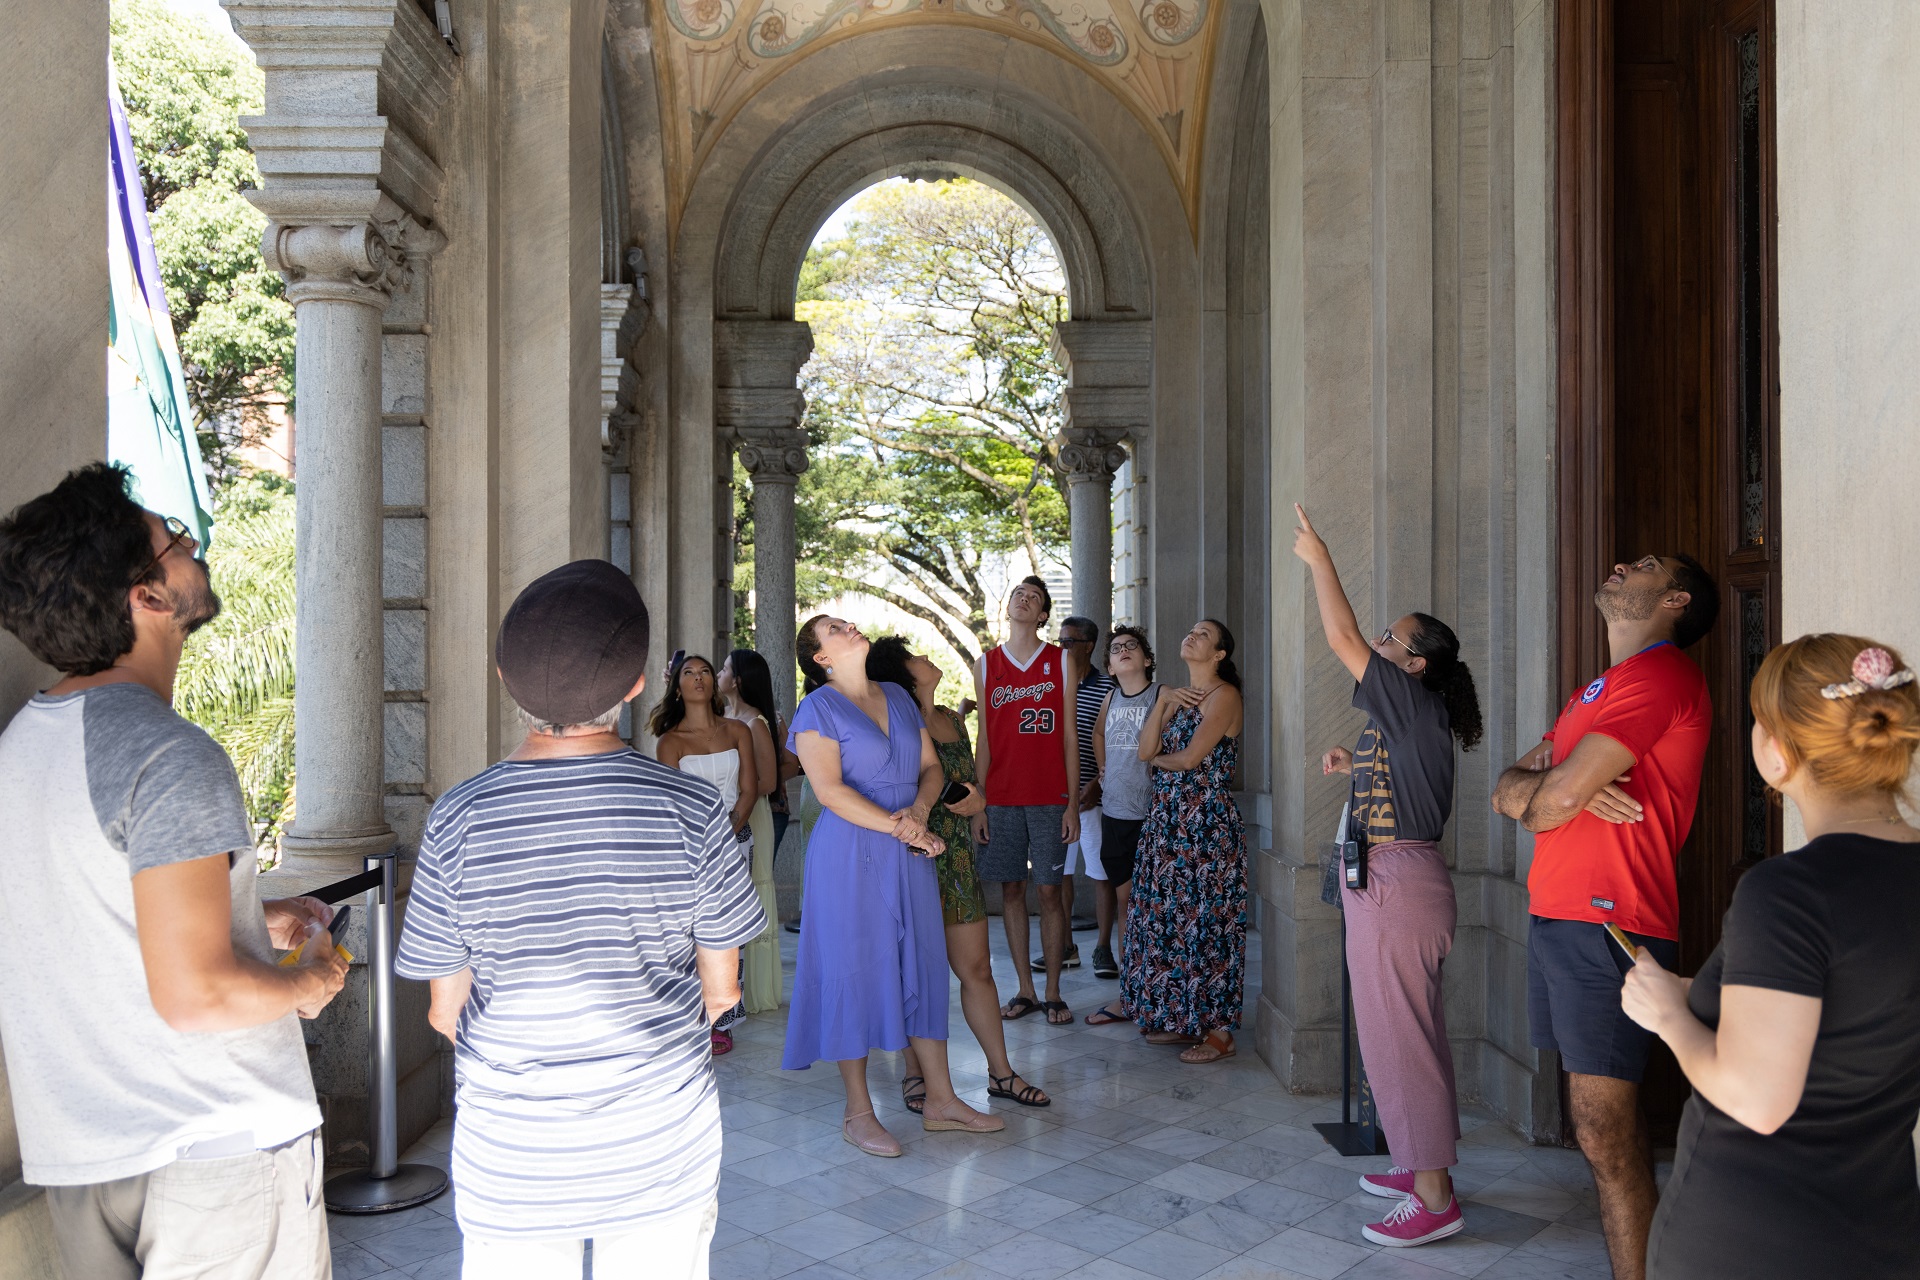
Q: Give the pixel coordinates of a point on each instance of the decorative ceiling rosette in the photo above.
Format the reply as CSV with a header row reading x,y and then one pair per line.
x,y
702,19
783,27
1087,28
1172,21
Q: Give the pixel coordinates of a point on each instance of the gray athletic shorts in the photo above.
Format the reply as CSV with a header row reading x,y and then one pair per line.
x,y
1023,843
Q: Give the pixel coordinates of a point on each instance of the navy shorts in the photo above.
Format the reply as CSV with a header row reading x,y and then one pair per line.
x,y
1574,976
1023,843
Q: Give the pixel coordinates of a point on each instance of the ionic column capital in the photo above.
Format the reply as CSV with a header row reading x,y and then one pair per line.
x,y
361,262
1088,456
773,456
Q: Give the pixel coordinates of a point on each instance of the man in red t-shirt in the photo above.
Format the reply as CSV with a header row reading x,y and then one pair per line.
x,y
1610,795
1028,757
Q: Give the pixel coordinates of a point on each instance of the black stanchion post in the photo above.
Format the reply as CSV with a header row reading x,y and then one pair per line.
x,y
386,1184
1346,1135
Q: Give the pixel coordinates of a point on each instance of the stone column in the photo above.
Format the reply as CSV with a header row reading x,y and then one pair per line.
x,y
757,407
339,279
1109,368
1089,461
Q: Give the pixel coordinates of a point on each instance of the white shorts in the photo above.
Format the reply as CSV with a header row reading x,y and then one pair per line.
x,y
1084,853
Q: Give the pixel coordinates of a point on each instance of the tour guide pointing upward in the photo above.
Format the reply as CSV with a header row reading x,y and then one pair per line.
x,y
1030,758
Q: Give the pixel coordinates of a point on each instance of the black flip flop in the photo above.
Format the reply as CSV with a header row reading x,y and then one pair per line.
x,y
1104,1016
1018,1008
1048,1006
1030,1096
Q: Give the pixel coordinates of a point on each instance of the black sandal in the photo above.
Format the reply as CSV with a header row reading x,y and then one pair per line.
x,y
917,1102
1049,1007
1018,1008
1030,1096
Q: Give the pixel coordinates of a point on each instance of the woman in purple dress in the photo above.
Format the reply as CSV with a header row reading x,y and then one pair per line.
x,y
872,969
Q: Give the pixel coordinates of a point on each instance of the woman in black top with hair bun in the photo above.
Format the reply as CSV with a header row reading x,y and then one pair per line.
x,y
1802,1033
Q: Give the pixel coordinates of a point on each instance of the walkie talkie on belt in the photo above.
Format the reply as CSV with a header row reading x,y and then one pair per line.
x,y
1353,859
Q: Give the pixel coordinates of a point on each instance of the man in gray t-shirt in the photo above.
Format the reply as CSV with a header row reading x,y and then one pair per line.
x,y
159,1078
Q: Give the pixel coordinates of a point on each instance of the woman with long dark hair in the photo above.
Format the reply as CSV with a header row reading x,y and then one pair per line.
x,y
1183,975
962,904
872,970
747,685
1398,894
694,735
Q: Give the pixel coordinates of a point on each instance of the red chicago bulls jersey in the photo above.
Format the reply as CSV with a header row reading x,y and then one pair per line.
x,y
1025,716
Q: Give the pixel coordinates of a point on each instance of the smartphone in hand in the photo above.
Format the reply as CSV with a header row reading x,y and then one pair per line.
x,y
1621,940
337,927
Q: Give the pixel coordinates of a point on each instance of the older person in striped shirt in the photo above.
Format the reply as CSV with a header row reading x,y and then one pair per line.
x,y
579,909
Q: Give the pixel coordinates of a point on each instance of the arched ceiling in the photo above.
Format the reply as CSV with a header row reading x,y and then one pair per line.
x,y
1155,56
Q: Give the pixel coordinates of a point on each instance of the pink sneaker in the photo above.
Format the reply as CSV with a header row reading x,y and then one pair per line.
x,y
1395,1184
1413,1223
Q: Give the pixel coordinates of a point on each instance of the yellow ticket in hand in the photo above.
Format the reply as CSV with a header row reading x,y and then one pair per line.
x,y
336,928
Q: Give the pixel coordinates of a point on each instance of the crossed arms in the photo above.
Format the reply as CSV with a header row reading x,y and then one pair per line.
x,y
1541,795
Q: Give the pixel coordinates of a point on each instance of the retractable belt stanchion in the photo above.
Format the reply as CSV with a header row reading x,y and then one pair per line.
x,y
386,1185
1346,1135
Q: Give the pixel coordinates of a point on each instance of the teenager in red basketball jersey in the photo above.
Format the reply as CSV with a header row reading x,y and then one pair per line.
x,y
1030,759
1610,796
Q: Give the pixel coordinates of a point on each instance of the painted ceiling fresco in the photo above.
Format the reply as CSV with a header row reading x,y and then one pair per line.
x,y
1153,54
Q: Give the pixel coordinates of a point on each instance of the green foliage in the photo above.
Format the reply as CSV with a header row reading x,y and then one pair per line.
x,y
186,87
236,676
933,400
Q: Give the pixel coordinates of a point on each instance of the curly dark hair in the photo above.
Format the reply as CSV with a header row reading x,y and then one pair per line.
x,y
1134,633
673,705
1447,676
67,560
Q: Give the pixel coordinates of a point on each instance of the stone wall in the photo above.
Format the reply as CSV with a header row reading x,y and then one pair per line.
x,y
53,341
1849,160
1413,415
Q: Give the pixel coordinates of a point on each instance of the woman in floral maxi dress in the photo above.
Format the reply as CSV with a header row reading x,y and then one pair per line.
x,y
1184,970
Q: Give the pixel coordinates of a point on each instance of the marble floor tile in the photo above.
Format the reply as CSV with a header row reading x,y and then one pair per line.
x,y
1030,1256
1310,1254
1096,1232
1171,1255
826,1234
1229,1229
1201,1182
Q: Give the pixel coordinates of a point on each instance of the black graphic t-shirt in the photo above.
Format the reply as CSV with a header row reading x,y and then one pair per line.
x,y
1403,762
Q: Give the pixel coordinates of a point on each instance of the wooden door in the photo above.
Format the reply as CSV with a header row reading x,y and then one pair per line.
x,y
1668,397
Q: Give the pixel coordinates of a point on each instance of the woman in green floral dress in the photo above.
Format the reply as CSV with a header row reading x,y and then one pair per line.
x,y
961,902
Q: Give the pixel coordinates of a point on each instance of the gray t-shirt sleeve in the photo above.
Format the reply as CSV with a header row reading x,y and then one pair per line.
x,y
163,790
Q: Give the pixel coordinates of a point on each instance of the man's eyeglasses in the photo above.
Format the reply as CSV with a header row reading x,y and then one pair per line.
x,y
1389,635
1067,637
1652,564
177,535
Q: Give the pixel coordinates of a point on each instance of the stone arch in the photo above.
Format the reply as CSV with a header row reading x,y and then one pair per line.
x,y
895,128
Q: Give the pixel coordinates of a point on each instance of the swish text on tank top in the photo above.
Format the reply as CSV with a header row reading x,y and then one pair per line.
x,y
1025,718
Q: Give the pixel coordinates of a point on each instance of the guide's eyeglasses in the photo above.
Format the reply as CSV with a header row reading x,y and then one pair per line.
x,y
1389,635
1652,564
178,535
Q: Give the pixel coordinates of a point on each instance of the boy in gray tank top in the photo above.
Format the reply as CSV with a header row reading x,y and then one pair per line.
x,y
1126,786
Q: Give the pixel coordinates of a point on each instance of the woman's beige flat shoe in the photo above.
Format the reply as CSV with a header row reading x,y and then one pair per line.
x,y
886,1145
979,1123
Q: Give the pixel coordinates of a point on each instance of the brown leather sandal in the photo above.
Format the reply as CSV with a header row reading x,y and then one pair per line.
x,y
1217,1047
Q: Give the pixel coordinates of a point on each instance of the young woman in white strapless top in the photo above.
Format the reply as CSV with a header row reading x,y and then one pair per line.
x,y
696,736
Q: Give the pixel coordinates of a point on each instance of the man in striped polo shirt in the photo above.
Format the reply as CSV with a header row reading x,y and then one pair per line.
x,y
579,909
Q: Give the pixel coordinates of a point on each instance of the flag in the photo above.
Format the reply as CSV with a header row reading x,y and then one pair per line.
x,y
150,423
